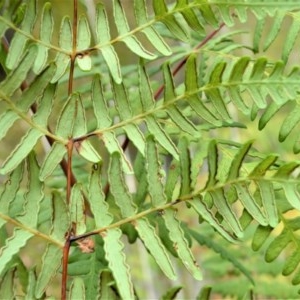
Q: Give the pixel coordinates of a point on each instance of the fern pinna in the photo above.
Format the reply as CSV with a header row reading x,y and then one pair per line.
x,y
159,150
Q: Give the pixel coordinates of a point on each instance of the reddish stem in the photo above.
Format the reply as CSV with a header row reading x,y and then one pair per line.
x,y
65,268
183,61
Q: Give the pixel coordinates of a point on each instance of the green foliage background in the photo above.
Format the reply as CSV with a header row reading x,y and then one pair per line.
x,y
149,149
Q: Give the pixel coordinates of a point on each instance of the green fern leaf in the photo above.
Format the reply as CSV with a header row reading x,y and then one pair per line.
x,y
19,41
34,195
80,127
32,94
99,104
12,246
208,14
286,169
212,164
21,151
289,123
214,94
154,177
178,29
10,191
164,235
87,151
66,120
258,34
119,189
226,16
172,180
207,215
103,120
46,31
178,118
185,167
109,54
191,85
182,122
196,163
61,219
267,195
291,263
53,158
99,206
277,246
124,109
83,34
276,26
153,36
77,289
180,244
123,29
260,236
112,145
51,262
145,90
83,42
224,209
77,209
291,37
268,113
250,204
237,161
62,59
190,16
116,261
171,293
204,294
256,74
292,194
162,138
154,245
15,79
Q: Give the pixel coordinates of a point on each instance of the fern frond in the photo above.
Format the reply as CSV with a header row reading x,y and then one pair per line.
x,y
287,237
259,8
26,221
19,41
237,186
